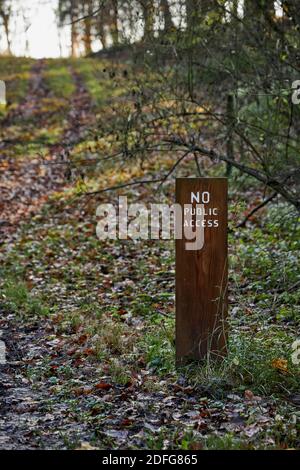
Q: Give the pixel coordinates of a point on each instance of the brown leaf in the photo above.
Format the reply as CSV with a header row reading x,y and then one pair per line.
x,y
281,365
196,446
83,391
126,422
248,395
85,446
103,386
179,388
89,352
82,339
71,351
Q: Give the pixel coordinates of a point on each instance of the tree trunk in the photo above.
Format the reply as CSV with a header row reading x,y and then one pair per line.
x,y
148,15
253,9
196,10
230,123
74,41
5,18
249,9
88,28
102,35
167,15
74,32
102,19
291,9
114,23
234,8
6,28
191,13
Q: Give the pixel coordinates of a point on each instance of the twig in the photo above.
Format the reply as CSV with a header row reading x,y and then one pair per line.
x,y
197,164
271,183
81,18
134,183
257,208
121,186
172,169
289,131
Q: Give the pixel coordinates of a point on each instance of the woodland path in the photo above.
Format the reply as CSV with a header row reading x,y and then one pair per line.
x,y
25,185
88,326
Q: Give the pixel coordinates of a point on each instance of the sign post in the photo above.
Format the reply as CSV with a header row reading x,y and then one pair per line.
x,y
201,268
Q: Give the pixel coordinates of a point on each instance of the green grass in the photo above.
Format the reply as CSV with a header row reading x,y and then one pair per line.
x,y
45,126
260,331
15,73
121,295
58,78
18,299
105,81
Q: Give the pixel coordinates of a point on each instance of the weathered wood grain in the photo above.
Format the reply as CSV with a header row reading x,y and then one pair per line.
x,y
201,278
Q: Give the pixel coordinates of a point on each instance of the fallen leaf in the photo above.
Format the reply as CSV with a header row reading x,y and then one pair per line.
x,y
280,364
85,446
248,395
103,386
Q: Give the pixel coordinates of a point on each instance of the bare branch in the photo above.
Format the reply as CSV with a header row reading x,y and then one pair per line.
x,y
257,208
121,186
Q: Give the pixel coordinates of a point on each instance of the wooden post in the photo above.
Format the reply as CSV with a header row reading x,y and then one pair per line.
x,y
201,273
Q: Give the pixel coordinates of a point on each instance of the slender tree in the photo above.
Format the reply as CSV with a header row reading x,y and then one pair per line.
x,y
68,11
114,27
5,15
148,16
87,9
168,23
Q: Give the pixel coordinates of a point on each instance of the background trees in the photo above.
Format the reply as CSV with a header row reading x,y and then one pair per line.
x,y
183,88
227,67
5,16
235,60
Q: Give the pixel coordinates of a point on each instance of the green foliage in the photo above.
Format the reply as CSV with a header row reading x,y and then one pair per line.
x,y
20,301
58,78
157,344
253,361
15,73
111,304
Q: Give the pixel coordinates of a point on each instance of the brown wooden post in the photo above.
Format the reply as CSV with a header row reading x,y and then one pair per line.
x,y
201,273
